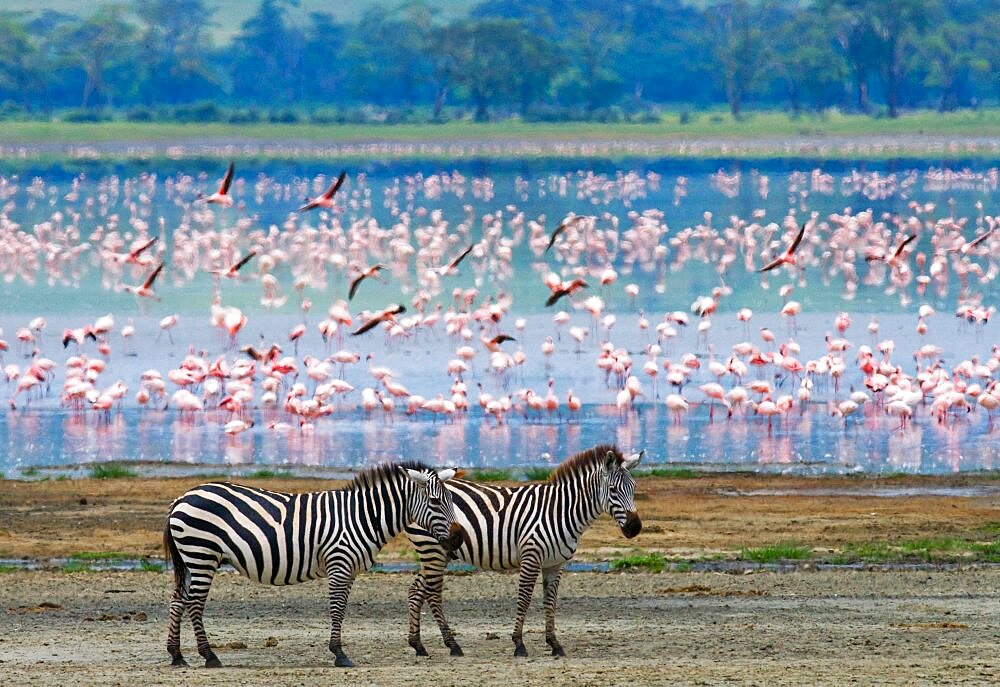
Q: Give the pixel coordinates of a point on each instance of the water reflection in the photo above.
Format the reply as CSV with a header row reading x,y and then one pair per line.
x,y
813,442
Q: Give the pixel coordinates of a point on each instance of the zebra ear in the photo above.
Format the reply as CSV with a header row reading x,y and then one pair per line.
x,y
445,475
610,461
418,476
633,460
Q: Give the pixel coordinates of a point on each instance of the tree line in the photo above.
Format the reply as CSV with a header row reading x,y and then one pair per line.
x,y
538,59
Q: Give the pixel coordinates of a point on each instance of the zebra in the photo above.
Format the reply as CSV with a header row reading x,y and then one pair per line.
x,y
536,527
278,539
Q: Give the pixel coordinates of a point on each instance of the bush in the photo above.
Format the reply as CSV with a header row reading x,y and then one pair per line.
x,y
608,115
687,117
205,111
326,116
84,115
247,116
139,114
9,111
285,116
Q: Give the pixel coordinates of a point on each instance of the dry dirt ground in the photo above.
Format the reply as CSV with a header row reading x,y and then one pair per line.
x,y
839,628
807,627
717,514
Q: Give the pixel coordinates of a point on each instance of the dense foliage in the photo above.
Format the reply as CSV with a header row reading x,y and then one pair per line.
x,y
539,59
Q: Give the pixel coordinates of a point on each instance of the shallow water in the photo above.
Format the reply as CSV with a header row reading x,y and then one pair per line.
x,y
41,433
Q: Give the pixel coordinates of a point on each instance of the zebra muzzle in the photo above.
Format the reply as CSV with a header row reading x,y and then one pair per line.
x,y
456,537
632,526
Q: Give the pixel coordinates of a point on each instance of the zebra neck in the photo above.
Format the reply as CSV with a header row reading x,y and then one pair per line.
x,y
382,510
582,498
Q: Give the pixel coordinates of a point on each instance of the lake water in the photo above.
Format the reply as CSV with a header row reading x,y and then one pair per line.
x,y
57,219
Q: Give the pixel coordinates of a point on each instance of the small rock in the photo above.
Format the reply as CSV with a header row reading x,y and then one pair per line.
x,y
49,604
271,641
83,500
492,635
140,617
236,645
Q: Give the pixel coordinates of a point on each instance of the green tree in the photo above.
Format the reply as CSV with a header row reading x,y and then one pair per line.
x,y
808,67
102,46
266,55
175,61
19,73
739,47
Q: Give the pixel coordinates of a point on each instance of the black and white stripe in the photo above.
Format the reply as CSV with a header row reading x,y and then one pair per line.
x,y
277,538
536,527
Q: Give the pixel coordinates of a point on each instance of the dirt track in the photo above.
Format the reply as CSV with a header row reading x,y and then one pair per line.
x,y
619,629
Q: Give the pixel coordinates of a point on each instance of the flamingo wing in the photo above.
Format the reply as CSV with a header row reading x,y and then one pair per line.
x,y
151,278
227,180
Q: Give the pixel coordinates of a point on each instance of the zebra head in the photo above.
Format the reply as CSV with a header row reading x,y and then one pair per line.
x,y
621,491
430,506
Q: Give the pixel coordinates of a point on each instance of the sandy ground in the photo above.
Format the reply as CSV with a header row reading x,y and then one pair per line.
x,y
619,629
717,514
862,626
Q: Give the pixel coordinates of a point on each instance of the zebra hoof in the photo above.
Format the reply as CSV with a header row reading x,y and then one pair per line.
x,y
456,650
558,651
343,662
520,651
421,651
179,662
213,662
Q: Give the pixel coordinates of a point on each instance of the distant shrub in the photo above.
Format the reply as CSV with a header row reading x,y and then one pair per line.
x,y
546,113
111,471
716,119
608,115
285,116
326,116
244,116
139,114
84,116
650,116
687,117
9,110
204,111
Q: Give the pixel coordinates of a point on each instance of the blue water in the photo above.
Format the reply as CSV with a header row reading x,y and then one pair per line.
x,y
78,203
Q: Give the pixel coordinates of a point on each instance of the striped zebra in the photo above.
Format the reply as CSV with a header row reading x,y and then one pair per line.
x,y
536,527
278,539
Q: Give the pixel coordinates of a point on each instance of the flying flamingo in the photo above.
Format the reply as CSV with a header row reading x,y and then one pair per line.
x,y
221,196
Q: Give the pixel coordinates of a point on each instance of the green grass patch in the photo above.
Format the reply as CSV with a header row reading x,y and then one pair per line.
x,y
99,556
670,473
776,553
648,562
146,565
8,568
269,474
31,471
758,134
682,566
76,567
537,474
493,475
991,527
871,552
111,471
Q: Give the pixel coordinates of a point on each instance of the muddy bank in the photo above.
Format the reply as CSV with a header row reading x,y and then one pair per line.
x,y
689,518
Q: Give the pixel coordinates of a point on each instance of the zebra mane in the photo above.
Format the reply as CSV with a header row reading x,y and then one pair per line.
x,y
583,461
377,474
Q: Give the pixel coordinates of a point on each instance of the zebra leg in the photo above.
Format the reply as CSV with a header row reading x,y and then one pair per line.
x,y
177,604
201,581
415,602
550,585
435,599
339,582
530,567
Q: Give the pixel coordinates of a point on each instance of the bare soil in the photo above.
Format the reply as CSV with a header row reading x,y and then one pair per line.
x,y
717,514
863,626
858,627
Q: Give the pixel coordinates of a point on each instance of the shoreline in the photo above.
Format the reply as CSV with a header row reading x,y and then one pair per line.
x,y
711,517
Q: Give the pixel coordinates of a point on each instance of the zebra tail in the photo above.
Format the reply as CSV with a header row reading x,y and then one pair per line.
x,y
173,555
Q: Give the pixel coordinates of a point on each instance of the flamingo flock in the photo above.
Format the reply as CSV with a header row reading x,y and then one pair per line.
x,y
496,314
